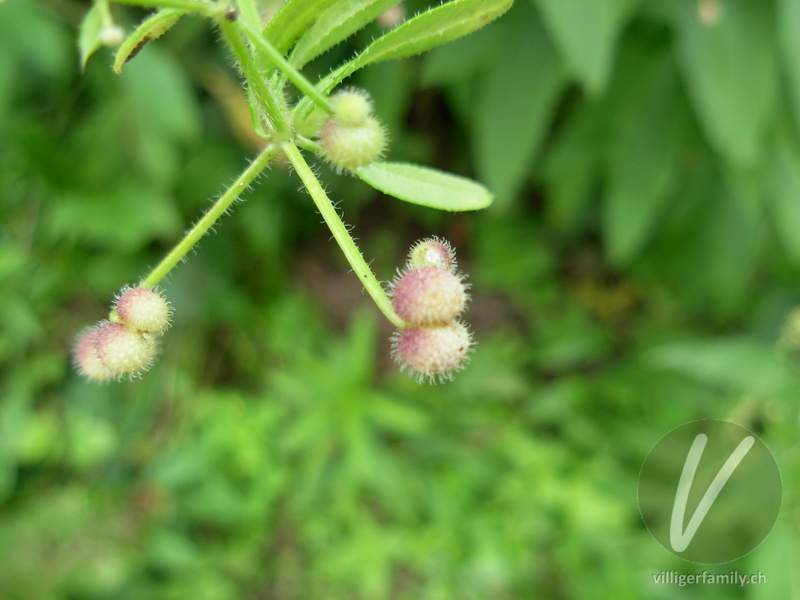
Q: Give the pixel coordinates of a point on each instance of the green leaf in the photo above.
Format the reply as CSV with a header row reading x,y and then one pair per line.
x,y
788,19
247,11
425,186
126,218
783,197
680,253
33,33
461,59
646,136
89,39
8,84
586,33
153,27
415,36
173,113
731,75
733,237
571,164
737,362
291,20
335,24
516,103
432,28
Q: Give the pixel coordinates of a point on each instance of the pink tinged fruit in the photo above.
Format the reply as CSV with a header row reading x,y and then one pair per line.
x,y
432,353
429,296
143,310
87,361
391,17
432,252
123,351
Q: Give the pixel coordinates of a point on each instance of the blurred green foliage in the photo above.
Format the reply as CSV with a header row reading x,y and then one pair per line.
x,y
634,274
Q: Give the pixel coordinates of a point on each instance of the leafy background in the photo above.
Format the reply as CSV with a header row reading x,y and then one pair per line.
x,y
635,272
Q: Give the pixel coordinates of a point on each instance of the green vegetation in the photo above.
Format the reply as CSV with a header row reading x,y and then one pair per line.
x,y
635,271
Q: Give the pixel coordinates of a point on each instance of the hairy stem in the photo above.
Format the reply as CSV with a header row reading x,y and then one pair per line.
x,y
279,61
248,9
105,12
212,216
273,107
307,144
207,9
341,235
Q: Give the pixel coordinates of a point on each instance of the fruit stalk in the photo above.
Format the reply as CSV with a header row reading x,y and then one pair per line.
x,y
341,235
212,216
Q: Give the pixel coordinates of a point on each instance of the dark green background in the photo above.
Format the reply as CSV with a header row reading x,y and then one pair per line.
x,y
634,273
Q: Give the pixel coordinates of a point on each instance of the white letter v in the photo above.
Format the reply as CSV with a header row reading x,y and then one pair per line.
x,y
677,537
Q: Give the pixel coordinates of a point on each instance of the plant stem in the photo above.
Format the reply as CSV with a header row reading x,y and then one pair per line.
x,y
212,216
307,144
305,106
276,113
249,11
340,234
204,8
105,11
278,60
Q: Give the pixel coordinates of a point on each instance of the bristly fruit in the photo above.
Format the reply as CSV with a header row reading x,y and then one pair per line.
x,y
429,296
432,252
86,359
123,351
142,309
352,106
348,147
432,353
352,137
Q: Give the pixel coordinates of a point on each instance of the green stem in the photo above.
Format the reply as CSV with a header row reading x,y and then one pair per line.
x,y
273,109
280,62
212,216
305,106
307,144
206,9
249,11
340,234
105,11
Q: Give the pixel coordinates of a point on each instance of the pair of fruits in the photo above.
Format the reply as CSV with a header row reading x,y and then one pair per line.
x,y
352,137
128,345
429,295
